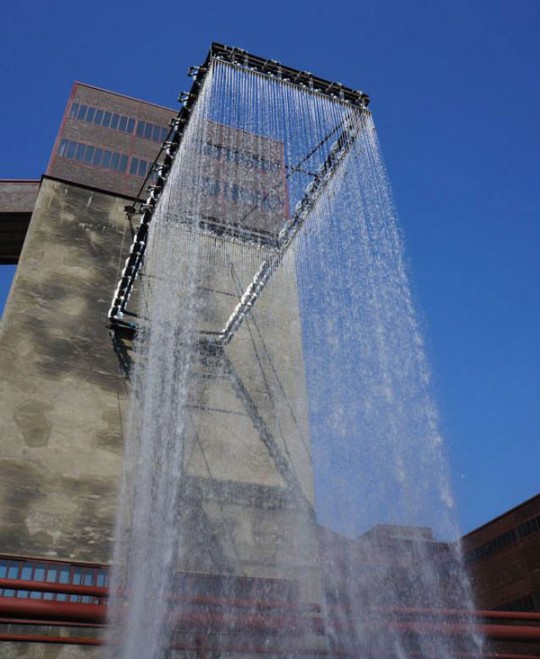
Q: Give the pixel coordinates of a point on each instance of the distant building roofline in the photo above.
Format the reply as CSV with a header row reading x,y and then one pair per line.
x,y
91,188
31,181
507,512
131,98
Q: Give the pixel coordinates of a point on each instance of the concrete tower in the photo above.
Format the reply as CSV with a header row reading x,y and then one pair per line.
x,y
63,394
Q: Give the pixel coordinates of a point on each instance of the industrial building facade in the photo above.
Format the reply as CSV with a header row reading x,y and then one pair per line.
x,y
64,392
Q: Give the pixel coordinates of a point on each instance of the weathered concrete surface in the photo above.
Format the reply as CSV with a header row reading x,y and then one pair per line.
x,y
47,651
61,392
18,196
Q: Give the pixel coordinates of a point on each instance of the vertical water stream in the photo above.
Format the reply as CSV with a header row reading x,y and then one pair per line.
x,y
304,450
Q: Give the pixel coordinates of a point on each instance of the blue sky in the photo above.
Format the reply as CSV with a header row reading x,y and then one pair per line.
x,y
455,97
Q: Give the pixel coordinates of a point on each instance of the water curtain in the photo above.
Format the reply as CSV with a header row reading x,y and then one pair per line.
x,y
283,465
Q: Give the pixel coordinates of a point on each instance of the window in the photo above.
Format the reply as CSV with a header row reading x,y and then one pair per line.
x,y
64,576
79,153
88,578
26,572
82,112
138,167
493,546
89,154
51,575
152,132
98,156
63,147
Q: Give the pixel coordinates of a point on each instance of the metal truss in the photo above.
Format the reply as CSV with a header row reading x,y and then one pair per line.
x,y
358,101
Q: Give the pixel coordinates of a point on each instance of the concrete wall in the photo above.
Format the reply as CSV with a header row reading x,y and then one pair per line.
x,y
48,651
61,391
18,196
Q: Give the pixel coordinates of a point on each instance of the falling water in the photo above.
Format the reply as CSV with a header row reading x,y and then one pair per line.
x,y
283,441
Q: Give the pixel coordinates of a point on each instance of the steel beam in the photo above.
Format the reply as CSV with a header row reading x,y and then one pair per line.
x,y
273,69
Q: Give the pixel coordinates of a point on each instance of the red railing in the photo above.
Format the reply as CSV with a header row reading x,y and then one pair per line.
x,y
51,605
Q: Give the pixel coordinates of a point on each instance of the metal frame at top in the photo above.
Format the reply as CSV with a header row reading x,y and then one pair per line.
x,y
122,328
285,73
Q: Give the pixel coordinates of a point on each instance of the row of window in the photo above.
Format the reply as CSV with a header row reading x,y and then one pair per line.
x,y
51,573
504,540
245,158
119,122
528,527
102,118
92,155
493,546
98,157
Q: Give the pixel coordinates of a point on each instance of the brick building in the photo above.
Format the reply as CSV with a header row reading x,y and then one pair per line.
x,y
107,140
503,558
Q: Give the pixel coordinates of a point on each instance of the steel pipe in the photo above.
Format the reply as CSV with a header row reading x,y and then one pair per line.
x,y
15,607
